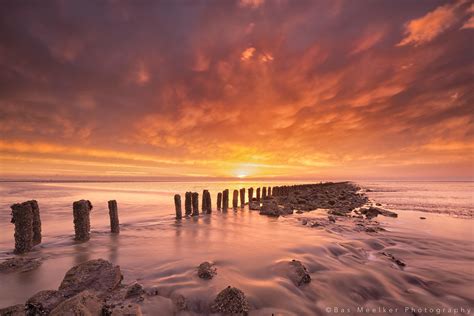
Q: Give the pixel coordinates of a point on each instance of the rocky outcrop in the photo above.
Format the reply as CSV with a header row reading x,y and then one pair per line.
x,y
206,270
231,300
298,273
15,310
43,302
270,207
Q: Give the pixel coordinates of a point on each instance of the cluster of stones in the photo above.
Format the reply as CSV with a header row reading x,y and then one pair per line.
x,y
27,220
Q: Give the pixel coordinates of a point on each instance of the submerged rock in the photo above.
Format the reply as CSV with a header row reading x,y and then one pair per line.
x,y
179,302
97,275
19,264
206,270
372,212
231,300
84,303
397,261
298,273
135,291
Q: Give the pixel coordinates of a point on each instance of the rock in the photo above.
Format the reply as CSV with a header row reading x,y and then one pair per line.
x,y
422,217
135,291
304,221
254,206
231,300
378,204
372,212
43,302
179,302
337,212
331,202
125,310
206,270
298,273
19,264
299,212
332,218
399,262
271,208
15,310
84,303
97,275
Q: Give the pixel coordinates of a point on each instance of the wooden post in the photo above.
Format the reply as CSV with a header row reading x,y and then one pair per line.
x,y
250,194
258,194
114,219
269,191
177,206
219,200
36,222
22,217
195,202
242,197
204,202
264,193
187,203
82,225
235,199
207,207
225,199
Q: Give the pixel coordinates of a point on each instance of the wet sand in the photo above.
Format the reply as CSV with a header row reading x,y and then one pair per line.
x,y
251,252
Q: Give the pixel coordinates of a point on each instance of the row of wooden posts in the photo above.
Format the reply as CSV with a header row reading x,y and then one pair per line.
x,y
27,220
191,199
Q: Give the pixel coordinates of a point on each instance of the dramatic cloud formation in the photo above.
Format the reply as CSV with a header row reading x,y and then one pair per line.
x,y
307,89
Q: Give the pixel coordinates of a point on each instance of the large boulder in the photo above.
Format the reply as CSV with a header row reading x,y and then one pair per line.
x,y
97,275
84,303
43,302
298,273
231,300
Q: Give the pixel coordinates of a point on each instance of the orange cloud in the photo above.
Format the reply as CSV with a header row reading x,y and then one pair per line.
x,y
425,29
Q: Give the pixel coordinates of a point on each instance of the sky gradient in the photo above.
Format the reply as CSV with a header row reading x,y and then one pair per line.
x,y
293,89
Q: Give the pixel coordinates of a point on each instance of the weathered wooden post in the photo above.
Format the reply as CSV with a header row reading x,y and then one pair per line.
x,y
187,203
269,191
242,197
264,193
195,202
36,222
235,199
225,199
258,194
114,219
207,198
82,225
177,206
219,200
204,202
22,217
250,194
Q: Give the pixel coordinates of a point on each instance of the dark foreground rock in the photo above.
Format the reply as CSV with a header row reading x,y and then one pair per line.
x,y
271,207
231,300
91,288
298,273
19,264
15,310
84,303
206,270
97,275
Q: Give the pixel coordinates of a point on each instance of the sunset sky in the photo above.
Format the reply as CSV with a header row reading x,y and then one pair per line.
x,y
251,88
